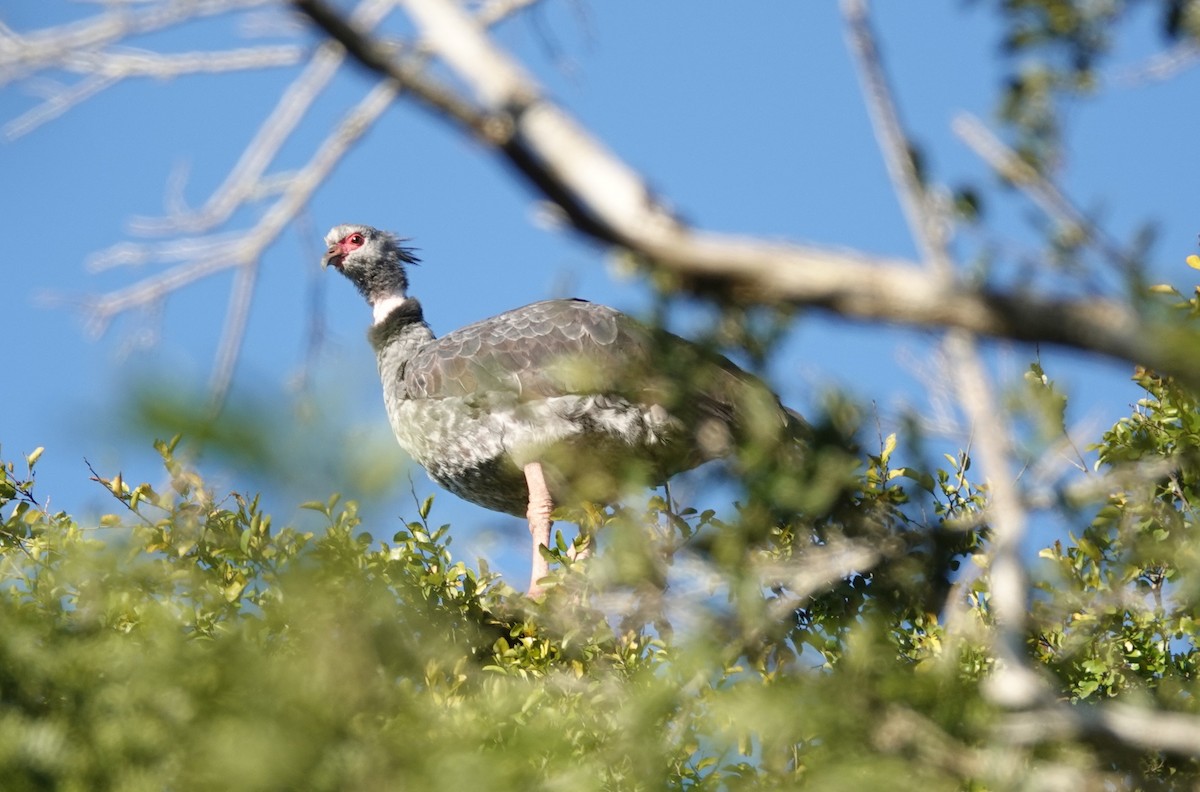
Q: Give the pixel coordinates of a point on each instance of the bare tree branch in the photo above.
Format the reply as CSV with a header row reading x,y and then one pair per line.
x,y
233,335
1014,683
496,10
815,570
57,103
247,175
242,250
77,47
607,200
1162,66
140,63
1040,189
924,221
1142,728
21,54
89,47
601,195
105,69
407,69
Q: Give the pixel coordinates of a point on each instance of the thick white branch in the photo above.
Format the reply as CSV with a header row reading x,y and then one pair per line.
x,y
608,200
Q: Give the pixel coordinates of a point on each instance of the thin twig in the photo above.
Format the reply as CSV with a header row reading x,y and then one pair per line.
x,y
140,254
103,309
923,221
1161,66
1037,186
496,10
103,70
314,337
128,62
229,253
108,485
233,335
247,175
85,47
57,104
22,53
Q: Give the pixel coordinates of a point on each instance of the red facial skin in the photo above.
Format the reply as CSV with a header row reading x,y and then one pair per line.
x,y
336,252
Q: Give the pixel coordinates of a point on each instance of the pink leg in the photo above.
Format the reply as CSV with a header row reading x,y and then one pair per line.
x,y
540,506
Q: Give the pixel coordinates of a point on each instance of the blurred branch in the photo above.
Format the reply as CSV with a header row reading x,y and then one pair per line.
x,y
233,334
601,195
1014,683
58,45
214,254
245,179
903,730
140,63
105,69
794,582
315,332
605,199
75,48
925,223
1037,186
58,101
816,569
496,10
1161,66
1142,728
406,67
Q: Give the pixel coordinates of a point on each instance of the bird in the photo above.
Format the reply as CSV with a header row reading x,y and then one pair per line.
x,y
557,403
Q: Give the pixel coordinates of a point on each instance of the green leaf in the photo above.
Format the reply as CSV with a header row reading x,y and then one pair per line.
x,y
889,445
920,477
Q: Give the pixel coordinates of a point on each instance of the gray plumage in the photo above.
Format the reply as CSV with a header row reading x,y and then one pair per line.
x,y
599,399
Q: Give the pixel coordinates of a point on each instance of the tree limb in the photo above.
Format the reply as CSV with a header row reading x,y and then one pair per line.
x,y
607,200
1014,683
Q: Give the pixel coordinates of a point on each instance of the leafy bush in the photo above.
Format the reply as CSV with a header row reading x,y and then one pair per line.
x,y
187,643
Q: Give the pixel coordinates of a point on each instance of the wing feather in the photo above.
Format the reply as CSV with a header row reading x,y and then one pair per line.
x,y
573,347
546,349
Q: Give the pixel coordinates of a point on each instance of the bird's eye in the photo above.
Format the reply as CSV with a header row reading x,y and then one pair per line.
x,y
356,239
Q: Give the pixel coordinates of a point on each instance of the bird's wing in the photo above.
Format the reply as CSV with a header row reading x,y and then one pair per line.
x,y
573,347
545,349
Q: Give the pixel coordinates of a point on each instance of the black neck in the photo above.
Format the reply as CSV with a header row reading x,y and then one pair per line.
x,y
403,316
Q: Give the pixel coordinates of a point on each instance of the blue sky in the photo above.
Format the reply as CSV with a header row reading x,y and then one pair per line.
x,y
746,116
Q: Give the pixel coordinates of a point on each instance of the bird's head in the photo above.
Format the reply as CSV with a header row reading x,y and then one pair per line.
x,y
373,260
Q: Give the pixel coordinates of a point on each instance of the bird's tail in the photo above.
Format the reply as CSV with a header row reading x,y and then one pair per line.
x,y
779,457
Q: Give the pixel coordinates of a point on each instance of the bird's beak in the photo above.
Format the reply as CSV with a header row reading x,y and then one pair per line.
x,y
332,256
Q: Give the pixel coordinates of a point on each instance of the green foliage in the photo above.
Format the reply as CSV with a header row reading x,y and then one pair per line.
x,y
188,642
1125,593
1056,47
